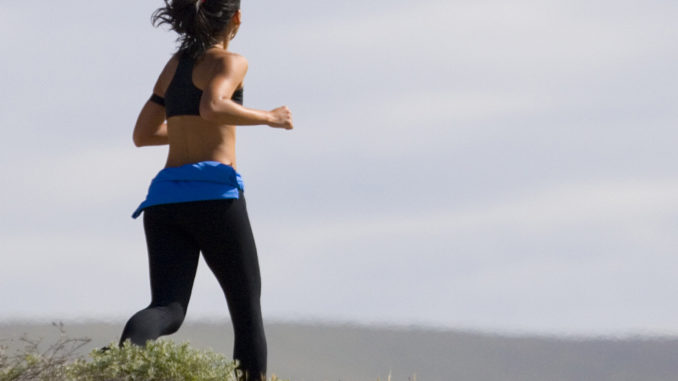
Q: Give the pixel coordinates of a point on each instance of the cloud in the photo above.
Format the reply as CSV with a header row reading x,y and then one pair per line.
x,y
624,204
584,250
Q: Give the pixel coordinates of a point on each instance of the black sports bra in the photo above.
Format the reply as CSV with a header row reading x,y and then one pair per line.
x,y
181,96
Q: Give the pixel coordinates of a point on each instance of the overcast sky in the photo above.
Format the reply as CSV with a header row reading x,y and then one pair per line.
x,y
491,165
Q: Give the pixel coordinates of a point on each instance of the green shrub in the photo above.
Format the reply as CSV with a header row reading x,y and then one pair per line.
x,y
160,360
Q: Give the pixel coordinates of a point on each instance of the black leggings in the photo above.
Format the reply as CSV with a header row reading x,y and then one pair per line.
x,y
175,236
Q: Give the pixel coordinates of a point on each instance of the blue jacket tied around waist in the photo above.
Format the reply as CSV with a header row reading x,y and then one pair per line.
x,y
205,180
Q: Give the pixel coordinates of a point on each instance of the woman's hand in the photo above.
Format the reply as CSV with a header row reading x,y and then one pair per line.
x,y
281,117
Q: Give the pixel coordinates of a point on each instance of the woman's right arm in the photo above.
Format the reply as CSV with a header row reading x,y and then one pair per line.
x,y
217,106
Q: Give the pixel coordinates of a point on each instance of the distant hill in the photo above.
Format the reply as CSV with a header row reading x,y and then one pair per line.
x,y
308,352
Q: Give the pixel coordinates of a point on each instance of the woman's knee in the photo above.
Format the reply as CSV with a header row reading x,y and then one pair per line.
x,y
177,313
169,316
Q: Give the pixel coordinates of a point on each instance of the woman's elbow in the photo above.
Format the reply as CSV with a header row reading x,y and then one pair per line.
x,y
207,111
139,139
222,112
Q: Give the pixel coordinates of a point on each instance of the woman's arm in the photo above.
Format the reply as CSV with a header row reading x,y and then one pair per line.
x,y
151,128
216,104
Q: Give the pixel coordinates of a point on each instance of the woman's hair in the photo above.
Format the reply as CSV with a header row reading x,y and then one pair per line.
x,y
199,23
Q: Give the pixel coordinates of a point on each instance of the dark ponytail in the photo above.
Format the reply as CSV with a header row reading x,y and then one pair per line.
x,y
199,23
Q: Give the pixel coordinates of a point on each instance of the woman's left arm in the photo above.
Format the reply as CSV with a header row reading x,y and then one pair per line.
x,y
151,127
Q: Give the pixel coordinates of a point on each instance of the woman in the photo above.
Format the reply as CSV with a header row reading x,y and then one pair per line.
x,y
196,203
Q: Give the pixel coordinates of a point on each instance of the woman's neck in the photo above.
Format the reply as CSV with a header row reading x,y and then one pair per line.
x,y
223,44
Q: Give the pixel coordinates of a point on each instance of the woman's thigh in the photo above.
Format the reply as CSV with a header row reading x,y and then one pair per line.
x,y
173,255
228,247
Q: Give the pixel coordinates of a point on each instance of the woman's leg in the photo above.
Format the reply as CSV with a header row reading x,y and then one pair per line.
x,y
228,247
173,259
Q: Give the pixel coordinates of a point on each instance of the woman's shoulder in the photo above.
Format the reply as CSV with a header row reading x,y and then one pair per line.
x,y
225,63
227,58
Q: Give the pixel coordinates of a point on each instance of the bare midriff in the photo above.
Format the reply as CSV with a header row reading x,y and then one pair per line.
x,y
193,139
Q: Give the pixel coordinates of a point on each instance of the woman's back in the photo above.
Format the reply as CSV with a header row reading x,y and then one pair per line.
x,y
191,137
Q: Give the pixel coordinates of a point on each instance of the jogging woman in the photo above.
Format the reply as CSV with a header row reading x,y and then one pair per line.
x,y
197,203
